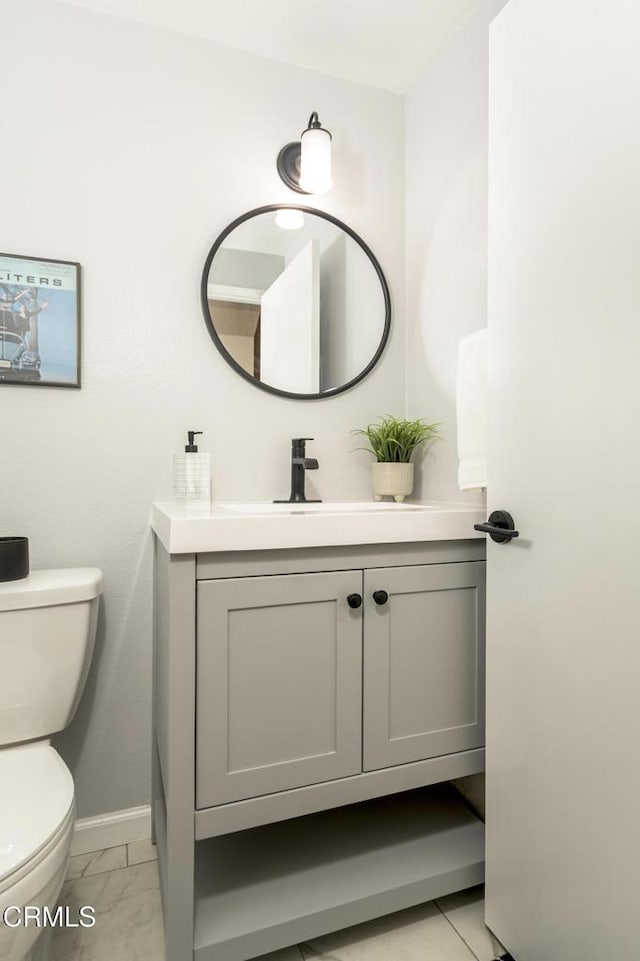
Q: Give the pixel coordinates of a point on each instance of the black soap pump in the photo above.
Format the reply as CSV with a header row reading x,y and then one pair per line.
x,y
192,474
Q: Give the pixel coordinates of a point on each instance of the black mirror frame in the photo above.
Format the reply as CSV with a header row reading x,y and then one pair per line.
x,y
269,208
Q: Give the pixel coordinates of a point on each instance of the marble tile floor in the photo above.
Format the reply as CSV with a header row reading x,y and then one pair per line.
x,y
122,884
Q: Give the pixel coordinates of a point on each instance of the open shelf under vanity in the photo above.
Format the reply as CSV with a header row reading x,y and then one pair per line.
x,y
263,888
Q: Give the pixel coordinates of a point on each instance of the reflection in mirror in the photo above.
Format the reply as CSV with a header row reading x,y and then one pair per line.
x,y
296,301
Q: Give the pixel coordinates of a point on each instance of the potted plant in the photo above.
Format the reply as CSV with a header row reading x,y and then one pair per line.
x,y
392,442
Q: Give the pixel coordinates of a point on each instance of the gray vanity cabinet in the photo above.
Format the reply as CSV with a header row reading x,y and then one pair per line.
x,y
423,663
279,684
301,738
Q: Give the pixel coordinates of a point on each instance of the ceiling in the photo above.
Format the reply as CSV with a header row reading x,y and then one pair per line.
x,y
383,43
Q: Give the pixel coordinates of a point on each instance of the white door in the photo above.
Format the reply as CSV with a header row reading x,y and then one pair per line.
x,y
290,326
563,630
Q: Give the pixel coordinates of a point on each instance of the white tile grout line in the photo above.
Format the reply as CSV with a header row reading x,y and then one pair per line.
x,y
313,953
98,874
146,860
448,919
123,867
330,957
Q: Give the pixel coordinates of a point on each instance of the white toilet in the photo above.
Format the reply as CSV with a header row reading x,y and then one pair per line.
x,y
47,634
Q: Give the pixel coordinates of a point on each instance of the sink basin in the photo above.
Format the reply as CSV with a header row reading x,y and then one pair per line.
x,y
261,525
324,507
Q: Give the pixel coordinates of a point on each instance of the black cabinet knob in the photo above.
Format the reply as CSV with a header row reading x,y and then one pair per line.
x,y
380,597
354,601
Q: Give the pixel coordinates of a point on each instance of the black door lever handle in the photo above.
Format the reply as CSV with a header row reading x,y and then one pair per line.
x,y
503,533
499,527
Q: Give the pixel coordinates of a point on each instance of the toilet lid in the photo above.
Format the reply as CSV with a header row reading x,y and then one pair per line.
x,y
51,588
36,795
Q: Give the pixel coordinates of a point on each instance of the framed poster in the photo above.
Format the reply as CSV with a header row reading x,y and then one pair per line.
x,y
39,321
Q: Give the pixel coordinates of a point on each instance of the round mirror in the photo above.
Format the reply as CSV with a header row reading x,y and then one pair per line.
x,y
295,301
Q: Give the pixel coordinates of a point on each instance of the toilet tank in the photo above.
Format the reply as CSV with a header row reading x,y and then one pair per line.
x,y
47,635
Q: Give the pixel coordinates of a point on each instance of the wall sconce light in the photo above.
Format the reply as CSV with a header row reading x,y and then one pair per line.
x,y
305,165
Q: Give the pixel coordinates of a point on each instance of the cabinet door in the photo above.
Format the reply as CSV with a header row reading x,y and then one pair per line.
x,y
423,663
279,687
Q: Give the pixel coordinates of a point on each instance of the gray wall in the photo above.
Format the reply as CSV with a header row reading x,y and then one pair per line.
x,y
130,149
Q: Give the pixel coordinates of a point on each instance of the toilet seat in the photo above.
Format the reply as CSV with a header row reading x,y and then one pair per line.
x,y
36,807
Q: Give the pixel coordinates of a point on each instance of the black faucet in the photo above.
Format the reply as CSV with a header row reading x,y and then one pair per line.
x,y
299,464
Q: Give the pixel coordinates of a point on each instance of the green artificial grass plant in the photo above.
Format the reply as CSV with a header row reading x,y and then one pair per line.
x,y
394,441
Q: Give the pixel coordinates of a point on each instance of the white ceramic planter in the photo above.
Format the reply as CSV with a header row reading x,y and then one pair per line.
x,y
393,480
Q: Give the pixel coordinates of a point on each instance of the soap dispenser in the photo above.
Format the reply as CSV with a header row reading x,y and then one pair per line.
x,y
192,474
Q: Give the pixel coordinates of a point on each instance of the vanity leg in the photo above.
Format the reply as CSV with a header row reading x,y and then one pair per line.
x,y
398,498
174,738
377,497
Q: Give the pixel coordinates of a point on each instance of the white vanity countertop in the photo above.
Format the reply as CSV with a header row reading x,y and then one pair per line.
x,y
263,526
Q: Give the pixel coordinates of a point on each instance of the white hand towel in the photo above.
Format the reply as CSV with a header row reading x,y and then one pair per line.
x,y
472,410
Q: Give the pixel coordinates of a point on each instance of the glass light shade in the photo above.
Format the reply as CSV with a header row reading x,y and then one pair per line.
x,y
290,219
315,161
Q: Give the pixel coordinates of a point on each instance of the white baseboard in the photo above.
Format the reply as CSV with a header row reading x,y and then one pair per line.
x,y
110,830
